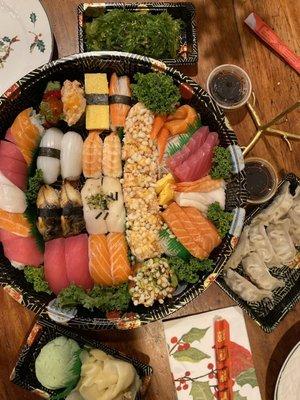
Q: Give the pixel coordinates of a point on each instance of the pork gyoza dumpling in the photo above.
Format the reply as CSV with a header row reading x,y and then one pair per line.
x,y
278,208
294,217
259,273
244,288
281,241
260,243
241,250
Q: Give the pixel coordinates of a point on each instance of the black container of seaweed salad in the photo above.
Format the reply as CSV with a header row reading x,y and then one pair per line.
x,y
185,12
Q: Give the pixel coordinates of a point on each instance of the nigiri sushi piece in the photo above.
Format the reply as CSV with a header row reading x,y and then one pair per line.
x,y
15,223
25,132
71,156
179,122
92,155
77,261
49,213
116,211
201,200
97,110
119,262
99,260
74,103
205,184
51,107
55,265
198,164
72,220
20,249
13,164
12,199
49,155
95,207
119,100
196,233
112,163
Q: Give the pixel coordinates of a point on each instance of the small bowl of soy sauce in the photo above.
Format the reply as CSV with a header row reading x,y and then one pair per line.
x,y
261,180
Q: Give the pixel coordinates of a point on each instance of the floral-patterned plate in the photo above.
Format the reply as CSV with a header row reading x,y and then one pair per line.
x,y
25,39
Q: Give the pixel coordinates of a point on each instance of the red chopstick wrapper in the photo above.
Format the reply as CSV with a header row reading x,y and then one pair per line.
x,y
273,40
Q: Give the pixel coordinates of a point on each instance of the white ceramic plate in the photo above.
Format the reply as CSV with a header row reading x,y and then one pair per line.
x,y
25,39
288,383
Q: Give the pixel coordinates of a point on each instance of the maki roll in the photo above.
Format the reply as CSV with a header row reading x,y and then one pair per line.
x,y
74,103
49,213
51,107
72,220
97,110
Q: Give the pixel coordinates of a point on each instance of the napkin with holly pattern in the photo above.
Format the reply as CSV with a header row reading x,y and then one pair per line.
x,y
190,342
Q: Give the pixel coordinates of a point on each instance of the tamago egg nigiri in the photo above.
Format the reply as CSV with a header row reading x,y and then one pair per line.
x,y
49,155
71,156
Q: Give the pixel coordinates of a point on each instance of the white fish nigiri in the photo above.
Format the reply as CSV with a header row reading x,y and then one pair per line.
x,y
71,156
49,155
116,211
94,206
12,199
201,200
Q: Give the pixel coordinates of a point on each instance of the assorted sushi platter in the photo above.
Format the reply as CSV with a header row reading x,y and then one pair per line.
x,y
164,31
120,201
263,273
57,363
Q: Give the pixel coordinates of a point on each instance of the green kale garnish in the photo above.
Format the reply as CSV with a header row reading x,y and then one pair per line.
x,y
156,91
35,275
189,271
152,35
220,218
103,298
34,184
221,164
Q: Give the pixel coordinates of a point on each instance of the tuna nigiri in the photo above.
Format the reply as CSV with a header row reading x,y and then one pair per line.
x,y
13,164
10,150
99,260
21,249
116,211
92,155
55,265
12,199
112,164
119,100
77,261
14,223
49,155
72,220
25,132
74,103
95,209
119,263
71,156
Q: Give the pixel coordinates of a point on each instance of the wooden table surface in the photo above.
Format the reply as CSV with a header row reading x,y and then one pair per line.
x,y
223,38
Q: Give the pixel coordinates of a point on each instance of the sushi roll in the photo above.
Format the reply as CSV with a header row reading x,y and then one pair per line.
x,y
95,207
97,109
49,213
72,220
12,199
119,100
49,155
51,107
71,156
92,155
112,153
74,103
26,132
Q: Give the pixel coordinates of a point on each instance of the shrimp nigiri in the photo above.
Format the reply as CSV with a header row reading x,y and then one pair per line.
x,y
92,155
119,100
112,163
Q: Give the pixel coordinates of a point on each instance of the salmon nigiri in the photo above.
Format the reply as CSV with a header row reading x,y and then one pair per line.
x,y
120,267
25,132
119,100
92,155
112,163
99,260
14,223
